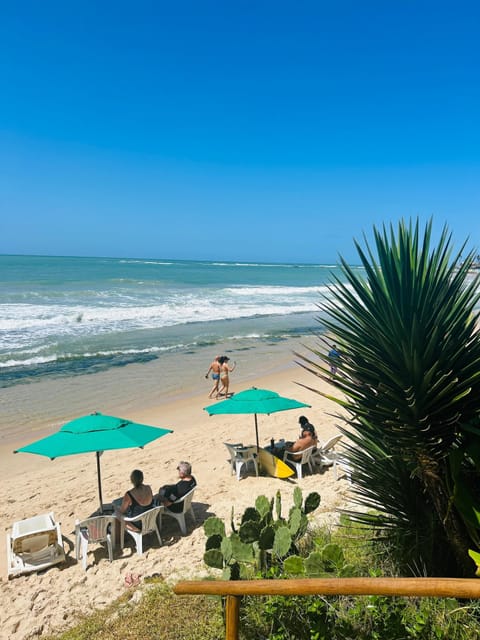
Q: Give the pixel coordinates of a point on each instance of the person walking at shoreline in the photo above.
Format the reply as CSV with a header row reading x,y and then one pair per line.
x,y
334,356
215,369
225,371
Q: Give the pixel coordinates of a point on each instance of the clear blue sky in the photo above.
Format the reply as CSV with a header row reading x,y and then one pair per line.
x,y
273,131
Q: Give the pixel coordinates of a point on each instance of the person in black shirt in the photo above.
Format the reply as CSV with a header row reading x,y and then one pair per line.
x,y
170,493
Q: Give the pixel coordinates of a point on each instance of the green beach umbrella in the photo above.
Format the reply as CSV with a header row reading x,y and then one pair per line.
x,y
94,433
254,401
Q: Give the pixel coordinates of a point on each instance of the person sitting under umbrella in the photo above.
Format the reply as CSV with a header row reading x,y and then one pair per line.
x,y
137,500
308,438
170,493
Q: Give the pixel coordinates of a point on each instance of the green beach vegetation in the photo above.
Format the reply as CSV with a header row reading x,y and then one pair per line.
x,y
154,612
409,381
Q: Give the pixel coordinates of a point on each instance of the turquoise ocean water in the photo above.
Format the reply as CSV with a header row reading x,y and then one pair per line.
x,y
67,316
82,334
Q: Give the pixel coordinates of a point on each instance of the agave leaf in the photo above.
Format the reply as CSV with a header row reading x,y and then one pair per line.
x,y
409,386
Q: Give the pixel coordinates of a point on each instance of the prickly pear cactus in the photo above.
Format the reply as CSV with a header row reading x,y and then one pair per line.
x,y
263,506
213,526
282,541
264,539
250,530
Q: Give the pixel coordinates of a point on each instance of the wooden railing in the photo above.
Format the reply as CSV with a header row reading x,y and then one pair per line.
x,y
235,589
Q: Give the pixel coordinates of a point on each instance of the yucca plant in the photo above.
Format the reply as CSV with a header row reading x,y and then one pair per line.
x,y
410,383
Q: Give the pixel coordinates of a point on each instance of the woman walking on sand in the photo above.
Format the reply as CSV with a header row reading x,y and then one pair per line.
x,y
225,370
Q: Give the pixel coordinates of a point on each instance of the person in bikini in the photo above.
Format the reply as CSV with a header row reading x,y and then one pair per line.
x,y
136,501
225,370
215,369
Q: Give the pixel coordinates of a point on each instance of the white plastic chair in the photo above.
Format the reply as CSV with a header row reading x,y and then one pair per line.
x,y
326,456
149,525
242,455
306,458
97,529
187,507
34,544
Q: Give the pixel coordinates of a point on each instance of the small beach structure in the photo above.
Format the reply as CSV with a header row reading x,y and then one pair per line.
x,y
254,401
95,433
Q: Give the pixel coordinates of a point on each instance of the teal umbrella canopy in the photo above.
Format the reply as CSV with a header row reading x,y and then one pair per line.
x,y
254,401
94,433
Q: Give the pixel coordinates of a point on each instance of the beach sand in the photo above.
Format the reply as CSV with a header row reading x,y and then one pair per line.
x,y
40,603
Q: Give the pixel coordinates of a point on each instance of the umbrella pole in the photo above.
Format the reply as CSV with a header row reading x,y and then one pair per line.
x,y
99,453
256,431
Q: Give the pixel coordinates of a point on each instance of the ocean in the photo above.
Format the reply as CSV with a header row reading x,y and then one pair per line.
x,y
63,319
67,316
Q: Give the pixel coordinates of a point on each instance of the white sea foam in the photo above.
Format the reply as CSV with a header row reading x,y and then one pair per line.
x,y
121,311
275,291
113,308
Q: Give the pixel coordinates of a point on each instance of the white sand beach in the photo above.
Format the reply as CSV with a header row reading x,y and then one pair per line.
x,y
35,604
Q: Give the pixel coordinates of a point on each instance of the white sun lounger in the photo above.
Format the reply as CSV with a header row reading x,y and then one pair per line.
x,y
34,544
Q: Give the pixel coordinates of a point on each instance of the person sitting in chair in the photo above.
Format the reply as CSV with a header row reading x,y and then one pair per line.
x,y
170,493
137,500
308,438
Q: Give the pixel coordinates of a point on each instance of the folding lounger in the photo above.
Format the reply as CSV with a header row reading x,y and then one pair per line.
x,y
34,544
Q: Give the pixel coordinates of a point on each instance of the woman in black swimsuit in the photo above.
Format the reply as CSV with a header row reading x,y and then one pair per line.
x,y
137,500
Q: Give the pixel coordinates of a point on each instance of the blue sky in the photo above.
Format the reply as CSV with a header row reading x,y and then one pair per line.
x,y
274,131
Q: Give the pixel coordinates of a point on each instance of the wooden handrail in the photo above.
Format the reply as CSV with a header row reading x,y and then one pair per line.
x,y
235,589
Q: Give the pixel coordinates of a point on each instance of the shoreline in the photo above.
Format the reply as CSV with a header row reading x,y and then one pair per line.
x,y
35,409
68,486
